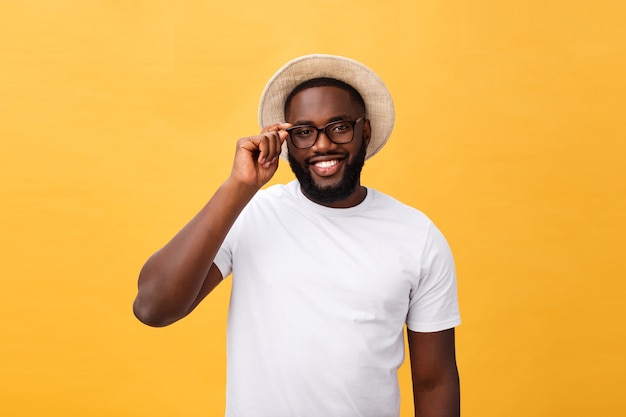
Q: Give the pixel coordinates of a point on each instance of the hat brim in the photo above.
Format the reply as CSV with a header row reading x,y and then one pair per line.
x,y
378,101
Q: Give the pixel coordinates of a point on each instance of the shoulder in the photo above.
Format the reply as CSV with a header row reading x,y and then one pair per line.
x,y
270,196
276,192
394,208
271,201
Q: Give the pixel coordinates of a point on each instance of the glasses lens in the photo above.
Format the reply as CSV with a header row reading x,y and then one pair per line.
x,y
303,136
340,132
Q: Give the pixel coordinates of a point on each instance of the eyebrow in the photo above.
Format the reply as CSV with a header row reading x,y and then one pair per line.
x,y
331,120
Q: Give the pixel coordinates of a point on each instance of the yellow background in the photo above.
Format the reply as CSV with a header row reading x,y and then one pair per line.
x,y
118,121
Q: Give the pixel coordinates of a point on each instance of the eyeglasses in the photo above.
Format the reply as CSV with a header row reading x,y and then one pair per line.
x,y
305,136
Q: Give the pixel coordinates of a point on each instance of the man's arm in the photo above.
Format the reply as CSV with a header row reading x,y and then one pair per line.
x,y
176,278
435,374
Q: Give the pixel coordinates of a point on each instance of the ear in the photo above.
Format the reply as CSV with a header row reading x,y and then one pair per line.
x,y
367,131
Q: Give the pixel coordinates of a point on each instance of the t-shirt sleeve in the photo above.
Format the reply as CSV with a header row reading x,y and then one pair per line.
x,y
433,304
224,257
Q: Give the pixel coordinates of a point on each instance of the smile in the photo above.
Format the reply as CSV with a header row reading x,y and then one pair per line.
x,y
326,164
326,167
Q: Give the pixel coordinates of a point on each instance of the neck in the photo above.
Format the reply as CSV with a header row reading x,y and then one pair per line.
x,y
352,200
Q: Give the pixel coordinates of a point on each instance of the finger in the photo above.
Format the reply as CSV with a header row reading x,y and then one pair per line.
x,y
276,127
272,137
268,143
263,146
281,129
274,144
283,134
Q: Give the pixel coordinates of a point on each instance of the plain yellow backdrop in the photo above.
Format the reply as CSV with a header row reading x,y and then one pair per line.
x,y
118,120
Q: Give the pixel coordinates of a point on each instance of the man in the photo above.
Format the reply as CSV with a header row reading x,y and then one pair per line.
x,y
326,272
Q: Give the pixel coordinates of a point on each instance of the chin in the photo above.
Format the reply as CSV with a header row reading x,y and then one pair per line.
x,y
331,191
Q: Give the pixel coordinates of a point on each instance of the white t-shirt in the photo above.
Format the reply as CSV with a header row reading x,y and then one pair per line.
x,y
319,302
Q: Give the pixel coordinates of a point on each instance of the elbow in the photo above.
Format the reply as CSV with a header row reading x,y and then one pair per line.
x,y
153,305
150,315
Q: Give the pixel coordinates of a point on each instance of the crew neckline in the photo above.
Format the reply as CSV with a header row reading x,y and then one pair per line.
x,y
331,211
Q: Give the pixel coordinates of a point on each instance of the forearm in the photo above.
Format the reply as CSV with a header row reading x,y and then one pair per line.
x,y
170,281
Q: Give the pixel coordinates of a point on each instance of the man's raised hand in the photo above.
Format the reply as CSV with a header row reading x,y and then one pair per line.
x,y
256,158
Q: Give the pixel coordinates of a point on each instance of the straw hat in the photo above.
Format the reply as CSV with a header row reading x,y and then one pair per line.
x,y
378,102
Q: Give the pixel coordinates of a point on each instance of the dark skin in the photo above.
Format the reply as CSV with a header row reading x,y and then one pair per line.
x,y
434,372
326,160
176,278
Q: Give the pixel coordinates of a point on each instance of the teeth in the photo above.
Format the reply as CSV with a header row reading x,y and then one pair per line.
x,y
326,164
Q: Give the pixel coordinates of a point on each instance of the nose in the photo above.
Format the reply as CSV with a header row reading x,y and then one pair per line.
x,y
323,142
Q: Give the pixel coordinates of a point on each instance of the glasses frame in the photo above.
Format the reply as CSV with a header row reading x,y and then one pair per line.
x,y
319,130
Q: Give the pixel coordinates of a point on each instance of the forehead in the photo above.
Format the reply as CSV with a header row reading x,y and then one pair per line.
x,y
320,104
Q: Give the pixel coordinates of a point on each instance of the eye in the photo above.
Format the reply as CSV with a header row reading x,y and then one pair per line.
x,y
341,127
302,131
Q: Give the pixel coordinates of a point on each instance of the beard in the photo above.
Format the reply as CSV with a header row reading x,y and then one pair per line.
x,y
326,195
